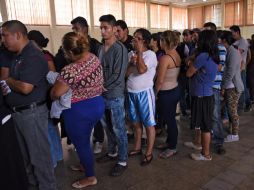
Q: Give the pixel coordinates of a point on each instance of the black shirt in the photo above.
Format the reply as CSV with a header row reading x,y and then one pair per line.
x,y
128,43
5,57
31,67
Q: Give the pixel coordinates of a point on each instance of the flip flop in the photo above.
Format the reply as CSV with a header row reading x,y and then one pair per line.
x,y
167,153
145,162
78,185
134,152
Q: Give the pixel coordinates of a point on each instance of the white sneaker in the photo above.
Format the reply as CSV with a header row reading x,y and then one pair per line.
x,y
97,148
200,157
192,145
231,138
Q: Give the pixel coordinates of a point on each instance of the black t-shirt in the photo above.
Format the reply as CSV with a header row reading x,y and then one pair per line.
x,y
31,67
5,57
128,43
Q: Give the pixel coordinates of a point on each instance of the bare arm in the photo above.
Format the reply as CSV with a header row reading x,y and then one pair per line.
x,y
4,73
191,71
59,89
19,86
51,66
161,72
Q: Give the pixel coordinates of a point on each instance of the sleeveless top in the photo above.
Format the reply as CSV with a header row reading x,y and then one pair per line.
x,y
170,80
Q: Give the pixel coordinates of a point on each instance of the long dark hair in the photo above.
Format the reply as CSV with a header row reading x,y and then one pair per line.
x,y
208,43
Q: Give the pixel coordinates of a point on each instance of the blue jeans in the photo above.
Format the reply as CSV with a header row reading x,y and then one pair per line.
x,y
244,100
55,143
114,123
218,137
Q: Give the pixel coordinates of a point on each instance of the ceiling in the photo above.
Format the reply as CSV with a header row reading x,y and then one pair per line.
x,y
184,2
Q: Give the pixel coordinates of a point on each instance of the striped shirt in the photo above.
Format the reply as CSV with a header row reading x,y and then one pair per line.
x,y
219,74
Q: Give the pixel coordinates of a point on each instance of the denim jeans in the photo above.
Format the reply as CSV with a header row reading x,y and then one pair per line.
x,y
55,143
244,100
218,137
114,123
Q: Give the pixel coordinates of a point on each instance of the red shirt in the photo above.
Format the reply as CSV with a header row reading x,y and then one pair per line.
x,y
85,78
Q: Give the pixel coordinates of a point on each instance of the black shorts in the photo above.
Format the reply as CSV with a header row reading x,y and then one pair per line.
x,y
202,112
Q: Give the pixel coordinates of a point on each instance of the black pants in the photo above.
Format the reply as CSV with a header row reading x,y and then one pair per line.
x,y
12,170
98,134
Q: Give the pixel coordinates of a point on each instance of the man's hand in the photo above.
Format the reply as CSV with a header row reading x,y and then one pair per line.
x,y
5,88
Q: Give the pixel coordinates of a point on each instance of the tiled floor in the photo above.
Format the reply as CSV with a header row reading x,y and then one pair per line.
x,y
234,170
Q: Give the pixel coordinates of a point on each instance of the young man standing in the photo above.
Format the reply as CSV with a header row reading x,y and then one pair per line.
x,y
114,59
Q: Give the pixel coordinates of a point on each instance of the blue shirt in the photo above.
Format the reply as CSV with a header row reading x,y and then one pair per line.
x,y
202,81
219,74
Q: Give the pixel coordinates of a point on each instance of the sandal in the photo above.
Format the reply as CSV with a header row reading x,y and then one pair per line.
x,y
162,146
77,167
78,185
134,152
167,153
146,161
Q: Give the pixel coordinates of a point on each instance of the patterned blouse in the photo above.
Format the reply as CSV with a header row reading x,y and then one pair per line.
x,y
85,78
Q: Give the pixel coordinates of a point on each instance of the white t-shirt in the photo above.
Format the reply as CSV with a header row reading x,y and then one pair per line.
x,y
139,82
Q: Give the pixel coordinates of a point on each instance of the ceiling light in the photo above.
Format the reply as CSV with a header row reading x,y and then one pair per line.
x,y
204,0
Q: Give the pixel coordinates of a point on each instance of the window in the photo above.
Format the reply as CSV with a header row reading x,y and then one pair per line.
x,y
212,13
102,7
195,17
135,13
29,11
179,20
234,13
159,16
250,12
66,10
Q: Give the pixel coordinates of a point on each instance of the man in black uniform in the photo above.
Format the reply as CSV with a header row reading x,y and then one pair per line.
x,y
27,100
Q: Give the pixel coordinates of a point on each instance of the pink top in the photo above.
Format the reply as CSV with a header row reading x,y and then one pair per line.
x,y
85,78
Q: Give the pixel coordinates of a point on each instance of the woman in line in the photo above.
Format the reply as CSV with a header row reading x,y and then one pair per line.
x,y
168,90
84,77
202,73
232,85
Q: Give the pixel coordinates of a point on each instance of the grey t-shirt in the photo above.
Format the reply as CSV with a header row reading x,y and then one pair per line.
x,y
114,62
243,48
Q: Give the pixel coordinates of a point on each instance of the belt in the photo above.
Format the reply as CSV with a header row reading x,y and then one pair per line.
x,y
30,106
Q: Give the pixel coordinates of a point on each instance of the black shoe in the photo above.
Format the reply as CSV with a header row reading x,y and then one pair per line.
x,y
143,142
220,150
105,158
248,108
118,170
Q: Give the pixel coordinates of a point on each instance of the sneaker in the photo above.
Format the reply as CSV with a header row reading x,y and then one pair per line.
x,y
97,148
118,170
200,157
106,158
231,138
192,145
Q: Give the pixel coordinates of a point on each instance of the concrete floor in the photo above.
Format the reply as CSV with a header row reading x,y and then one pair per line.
x,y
234,170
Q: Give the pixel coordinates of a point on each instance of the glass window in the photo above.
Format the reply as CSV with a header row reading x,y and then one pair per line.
x,y
195,17
179,20
29,11
159,16
212,13
66,10
135,13
250,12
234,13
102,7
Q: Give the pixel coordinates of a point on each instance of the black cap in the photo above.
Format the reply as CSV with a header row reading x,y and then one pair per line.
x,y
38,37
